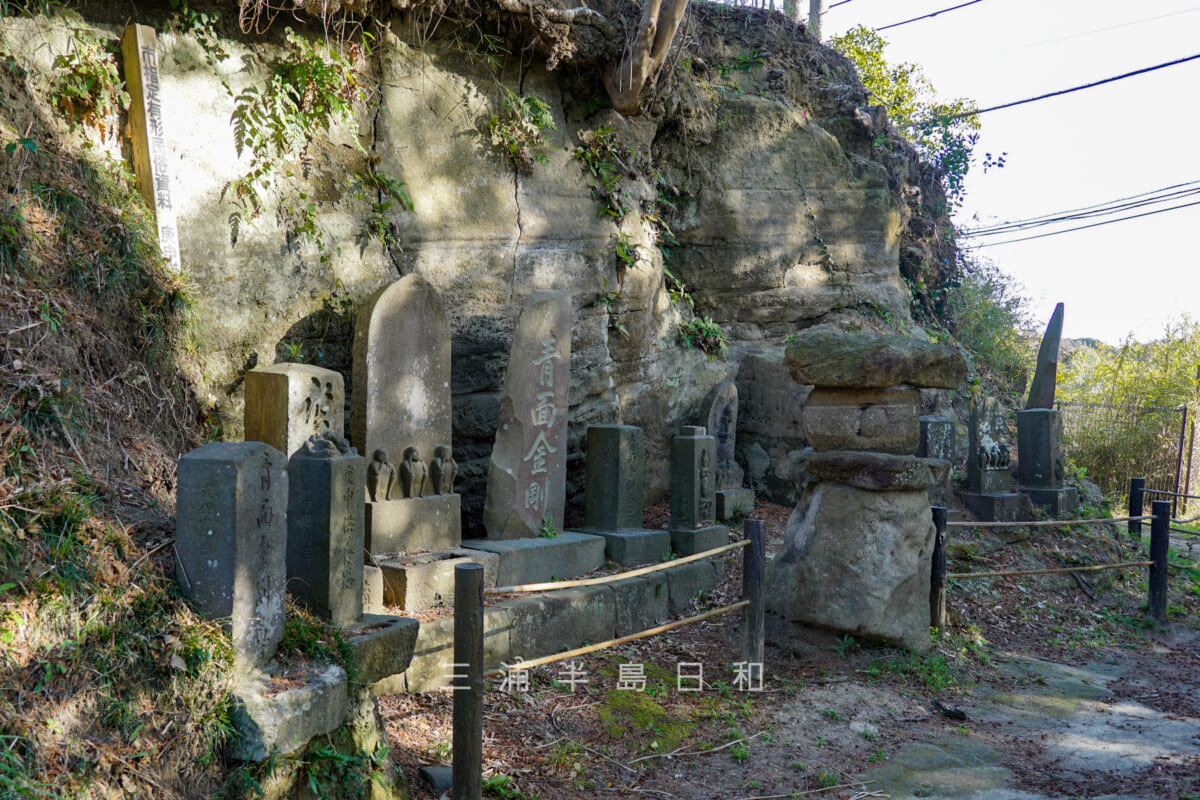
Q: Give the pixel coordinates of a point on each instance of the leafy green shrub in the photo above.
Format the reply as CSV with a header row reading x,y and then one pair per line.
x,y
519,131
87,86
989,316
703,333
944,131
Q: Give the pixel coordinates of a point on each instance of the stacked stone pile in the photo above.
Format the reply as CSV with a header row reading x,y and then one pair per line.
x,y
856,553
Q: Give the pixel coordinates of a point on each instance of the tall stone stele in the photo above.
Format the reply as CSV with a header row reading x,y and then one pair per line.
x,y
288,403
400,418
694,527
856,554
614,491
231,530
989,495
1040,464
719,411
526,486
325,528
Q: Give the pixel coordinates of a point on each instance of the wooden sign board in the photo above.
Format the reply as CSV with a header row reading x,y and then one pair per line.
x,y
139,47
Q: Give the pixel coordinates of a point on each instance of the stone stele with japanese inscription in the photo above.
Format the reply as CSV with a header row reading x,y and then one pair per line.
x,y
526,486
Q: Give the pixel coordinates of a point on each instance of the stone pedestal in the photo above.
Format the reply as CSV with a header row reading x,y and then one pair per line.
x,y
427,580
414,524
1040,466
856,561
693,493
287,403
231,531
613,500
539,559
325,529
998,506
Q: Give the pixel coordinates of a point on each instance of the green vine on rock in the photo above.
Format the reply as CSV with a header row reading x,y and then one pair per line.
x,y
518,133
310,89
87,86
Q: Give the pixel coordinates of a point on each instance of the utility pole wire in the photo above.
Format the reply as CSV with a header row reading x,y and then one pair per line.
x,y
1101,210
1093,225
926,16
1122,76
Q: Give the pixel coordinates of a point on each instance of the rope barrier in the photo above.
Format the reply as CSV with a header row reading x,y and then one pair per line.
x,y
1062,571
1045,523
620,576
582,651
1170,494
1188,521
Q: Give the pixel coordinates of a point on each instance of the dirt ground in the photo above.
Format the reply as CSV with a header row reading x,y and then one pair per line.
x,y
832,711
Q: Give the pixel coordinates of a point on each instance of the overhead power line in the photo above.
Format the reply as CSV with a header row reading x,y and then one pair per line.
x,y
1122,76
1093,225
1155,197
842,3
925,16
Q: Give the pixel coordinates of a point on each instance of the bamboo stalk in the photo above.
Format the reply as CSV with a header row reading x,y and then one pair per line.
x,y
591,648
1062,571
1043,523
620,576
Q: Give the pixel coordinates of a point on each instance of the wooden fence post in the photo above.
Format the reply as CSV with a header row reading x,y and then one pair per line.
x,y
1137,488
1160,533
937,577
467,737
754,566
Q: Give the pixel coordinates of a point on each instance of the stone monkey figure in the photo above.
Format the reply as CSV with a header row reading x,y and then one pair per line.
x,y
443,470
380,477
412,473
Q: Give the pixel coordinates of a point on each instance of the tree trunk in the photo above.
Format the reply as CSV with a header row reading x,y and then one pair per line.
x,y
644,55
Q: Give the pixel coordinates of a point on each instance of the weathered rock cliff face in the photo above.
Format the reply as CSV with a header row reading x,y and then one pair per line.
x,y
763,147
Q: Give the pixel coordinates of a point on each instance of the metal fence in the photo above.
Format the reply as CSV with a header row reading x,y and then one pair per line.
x,y
1113,442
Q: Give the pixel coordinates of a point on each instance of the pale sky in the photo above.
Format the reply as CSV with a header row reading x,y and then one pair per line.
x,y
1100,144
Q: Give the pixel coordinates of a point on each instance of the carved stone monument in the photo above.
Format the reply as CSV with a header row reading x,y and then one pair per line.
x,y
989,494
325,528
855,557
694,527
937,441
614,493
287,403
400,409
1040,464
231,532
720,414
526,485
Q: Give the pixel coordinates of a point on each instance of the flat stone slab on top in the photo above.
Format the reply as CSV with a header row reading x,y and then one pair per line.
x,y
878,471
633,545
535,560
825,355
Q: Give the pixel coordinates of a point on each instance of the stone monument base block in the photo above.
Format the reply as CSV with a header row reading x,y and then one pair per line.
x,y
1056,501
382,645
414,524
734,502
634,546
542,559
999,507
427,580
690,542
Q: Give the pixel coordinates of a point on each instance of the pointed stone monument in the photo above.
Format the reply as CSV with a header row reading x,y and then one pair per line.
x,y
1040,464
